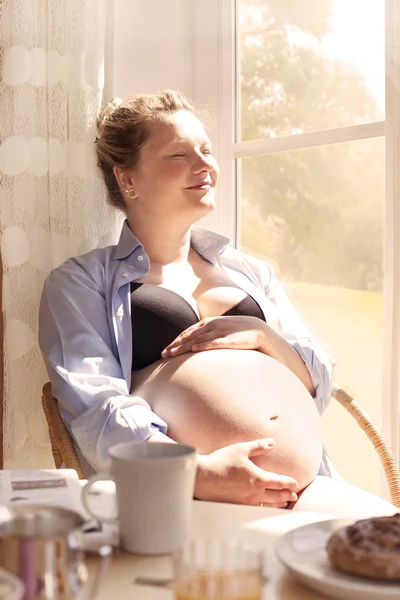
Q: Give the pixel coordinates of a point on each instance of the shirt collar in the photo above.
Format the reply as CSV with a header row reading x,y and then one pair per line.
x,y
207,243
127,243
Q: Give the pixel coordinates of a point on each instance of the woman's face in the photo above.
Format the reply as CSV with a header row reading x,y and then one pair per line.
x,y
177,171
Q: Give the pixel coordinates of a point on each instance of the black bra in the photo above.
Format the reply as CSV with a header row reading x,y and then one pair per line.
x,y
159,315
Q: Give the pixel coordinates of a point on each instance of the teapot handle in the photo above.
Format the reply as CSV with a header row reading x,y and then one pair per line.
x,y
104,553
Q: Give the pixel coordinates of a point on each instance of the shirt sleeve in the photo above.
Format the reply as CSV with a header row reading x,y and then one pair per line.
x,y
294,331
84,371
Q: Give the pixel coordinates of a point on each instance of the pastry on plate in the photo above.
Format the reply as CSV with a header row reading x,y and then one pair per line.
x,y
370,547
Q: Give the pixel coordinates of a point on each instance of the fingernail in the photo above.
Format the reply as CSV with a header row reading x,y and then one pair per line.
x,y
164,354
294,497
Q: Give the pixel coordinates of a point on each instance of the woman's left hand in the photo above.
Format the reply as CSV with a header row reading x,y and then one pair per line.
x,y
239,332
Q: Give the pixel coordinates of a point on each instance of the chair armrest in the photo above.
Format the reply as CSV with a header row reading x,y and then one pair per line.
x,y
366,423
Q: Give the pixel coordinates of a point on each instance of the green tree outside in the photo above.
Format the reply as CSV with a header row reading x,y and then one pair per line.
x,y
318,212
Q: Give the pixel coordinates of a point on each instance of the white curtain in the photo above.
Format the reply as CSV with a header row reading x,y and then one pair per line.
x,y
52,202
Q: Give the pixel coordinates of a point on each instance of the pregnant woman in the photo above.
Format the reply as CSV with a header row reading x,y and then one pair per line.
x,y
173,336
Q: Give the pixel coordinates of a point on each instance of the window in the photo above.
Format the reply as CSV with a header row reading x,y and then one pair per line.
x,y
311,160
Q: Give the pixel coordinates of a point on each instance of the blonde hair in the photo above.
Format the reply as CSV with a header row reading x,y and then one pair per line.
x,y
122,129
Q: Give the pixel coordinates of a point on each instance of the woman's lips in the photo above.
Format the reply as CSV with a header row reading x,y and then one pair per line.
x,y
201,186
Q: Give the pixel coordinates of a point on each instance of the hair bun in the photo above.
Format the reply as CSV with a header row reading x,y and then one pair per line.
x,y
111,106
107,111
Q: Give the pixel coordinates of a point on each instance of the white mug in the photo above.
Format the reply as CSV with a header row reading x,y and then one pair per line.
x,y
154,484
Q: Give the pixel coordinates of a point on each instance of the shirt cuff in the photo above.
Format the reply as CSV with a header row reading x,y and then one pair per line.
x,y
143,421
320,372
119,419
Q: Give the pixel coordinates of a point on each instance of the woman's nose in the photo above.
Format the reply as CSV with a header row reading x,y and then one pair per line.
x,y
205,163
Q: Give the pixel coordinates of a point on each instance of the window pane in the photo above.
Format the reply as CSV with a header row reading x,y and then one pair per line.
x,y
317,216
306,66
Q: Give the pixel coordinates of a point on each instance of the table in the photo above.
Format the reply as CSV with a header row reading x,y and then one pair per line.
x,y
259,526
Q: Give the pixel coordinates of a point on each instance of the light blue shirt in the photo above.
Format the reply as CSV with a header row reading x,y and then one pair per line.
x,y
85,336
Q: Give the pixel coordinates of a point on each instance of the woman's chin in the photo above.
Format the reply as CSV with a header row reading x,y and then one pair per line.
x,y
203,209
208,200
203,199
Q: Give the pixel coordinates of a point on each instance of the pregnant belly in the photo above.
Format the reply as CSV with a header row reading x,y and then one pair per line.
x,y
215,398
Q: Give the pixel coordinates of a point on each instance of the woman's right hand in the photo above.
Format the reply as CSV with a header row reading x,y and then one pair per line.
x,y
229,475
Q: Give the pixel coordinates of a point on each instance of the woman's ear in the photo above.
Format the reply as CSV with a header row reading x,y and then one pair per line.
x,y
124,178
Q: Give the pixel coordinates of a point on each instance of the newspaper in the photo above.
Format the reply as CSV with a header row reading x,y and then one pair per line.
x,y
46,486
62,487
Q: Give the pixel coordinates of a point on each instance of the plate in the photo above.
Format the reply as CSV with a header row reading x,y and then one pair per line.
x,y
302,551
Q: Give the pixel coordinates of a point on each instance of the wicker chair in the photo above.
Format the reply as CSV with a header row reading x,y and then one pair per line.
x,y
389,464
62,445
64,451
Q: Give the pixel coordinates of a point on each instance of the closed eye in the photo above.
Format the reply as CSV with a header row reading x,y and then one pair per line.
x,y
178,155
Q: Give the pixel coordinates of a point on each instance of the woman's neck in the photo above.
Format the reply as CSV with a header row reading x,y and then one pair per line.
x,y
164,243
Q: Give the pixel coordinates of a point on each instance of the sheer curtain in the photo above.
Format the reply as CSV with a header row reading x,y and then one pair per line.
x,y
52,201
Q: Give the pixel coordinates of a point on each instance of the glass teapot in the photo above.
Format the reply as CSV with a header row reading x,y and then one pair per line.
x,y
43,546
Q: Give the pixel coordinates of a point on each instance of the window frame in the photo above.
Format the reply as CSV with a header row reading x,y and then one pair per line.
x,y
230,150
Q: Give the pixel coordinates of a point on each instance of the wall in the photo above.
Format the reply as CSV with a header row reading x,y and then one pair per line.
x,y
169,44
153,46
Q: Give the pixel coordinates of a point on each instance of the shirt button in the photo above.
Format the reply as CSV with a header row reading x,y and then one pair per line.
x,y
125,274
140,257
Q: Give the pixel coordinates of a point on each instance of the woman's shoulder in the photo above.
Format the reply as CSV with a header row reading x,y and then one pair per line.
x,y
92,266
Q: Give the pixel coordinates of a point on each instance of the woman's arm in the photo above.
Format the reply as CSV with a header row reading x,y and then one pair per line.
x,y
86,376
294,345
285,321
277,347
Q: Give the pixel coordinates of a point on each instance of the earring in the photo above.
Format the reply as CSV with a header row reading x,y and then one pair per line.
x,y
131,193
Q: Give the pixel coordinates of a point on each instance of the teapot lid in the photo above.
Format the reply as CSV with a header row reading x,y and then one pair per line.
x,y
36,520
